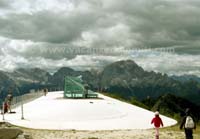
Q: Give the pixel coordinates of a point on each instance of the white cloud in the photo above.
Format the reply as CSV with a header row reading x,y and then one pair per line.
x,y
14,47
15,54
30,26
169,63
10,63
33,6
114,36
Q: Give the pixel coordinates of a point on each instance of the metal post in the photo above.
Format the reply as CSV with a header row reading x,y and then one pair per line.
x,y
22,108
3,111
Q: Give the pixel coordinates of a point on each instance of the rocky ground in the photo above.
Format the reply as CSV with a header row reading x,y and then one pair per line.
x,y
118,134
165,133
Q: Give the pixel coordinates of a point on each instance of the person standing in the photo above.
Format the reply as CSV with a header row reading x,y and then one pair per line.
x,y
9,101
5,109
157,121
188,124
45,91
86,89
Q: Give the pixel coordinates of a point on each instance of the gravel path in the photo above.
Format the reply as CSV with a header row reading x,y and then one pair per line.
x,y
121,134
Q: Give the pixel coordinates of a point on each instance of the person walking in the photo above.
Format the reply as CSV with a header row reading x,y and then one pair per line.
x,y
157,121
188,124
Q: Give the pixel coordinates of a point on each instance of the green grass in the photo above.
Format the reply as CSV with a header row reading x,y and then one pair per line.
x,y
196,132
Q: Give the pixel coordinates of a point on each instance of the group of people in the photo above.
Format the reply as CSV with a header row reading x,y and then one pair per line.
x,y
187,123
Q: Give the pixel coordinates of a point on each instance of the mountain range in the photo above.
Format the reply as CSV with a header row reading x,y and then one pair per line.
x,y
124,79
186,78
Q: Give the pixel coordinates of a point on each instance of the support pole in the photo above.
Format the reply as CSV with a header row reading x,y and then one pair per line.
x,y
22,108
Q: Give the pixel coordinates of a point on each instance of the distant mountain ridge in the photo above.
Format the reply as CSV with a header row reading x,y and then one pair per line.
x,y
128,76
123,78
21,81
127,80
185,78
122,71
34,75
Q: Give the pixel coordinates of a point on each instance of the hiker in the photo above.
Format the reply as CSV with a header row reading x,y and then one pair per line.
x,y
188,124
157,121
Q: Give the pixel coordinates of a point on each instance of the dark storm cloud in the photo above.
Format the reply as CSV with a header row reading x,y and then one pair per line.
x,y
53,26
45,26
4,4
162,23
144,24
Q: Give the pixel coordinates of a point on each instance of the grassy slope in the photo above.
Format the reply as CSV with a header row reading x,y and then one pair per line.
x,y
176,129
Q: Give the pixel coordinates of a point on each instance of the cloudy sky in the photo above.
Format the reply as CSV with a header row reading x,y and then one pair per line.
x,y
159,35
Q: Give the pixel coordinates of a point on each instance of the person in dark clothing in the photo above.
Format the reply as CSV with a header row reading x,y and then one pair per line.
x,y
188,126
86,87
45,91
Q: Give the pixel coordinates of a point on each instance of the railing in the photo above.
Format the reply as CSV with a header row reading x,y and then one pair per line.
x,y
18,100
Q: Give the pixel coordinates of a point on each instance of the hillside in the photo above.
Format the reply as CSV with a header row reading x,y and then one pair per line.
x,y
175,106
6,85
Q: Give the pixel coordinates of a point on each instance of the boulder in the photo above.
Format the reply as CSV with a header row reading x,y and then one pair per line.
x,y
10,133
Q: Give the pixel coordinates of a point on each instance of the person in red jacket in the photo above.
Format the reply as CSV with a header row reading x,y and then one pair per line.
x,y
157,121
5,107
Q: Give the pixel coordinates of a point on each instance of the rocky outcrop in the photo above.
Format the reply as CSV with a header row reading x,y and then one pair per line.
x,y
10,133
7,131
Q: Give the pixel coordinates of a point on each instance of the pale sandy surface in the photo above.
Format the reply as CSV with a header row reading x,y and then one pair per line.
x,y
117,134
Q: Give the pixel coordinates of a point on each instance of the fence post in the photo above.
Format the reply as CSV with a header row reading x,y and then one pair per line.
x,y
22,108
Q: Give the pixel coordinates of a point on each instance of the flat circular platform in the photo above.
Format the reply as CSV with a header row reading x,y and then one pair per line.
x,y
54,112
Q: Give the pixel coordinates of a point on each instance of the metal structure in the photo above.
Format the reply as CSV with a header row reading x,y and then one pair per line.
x,y
74,88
